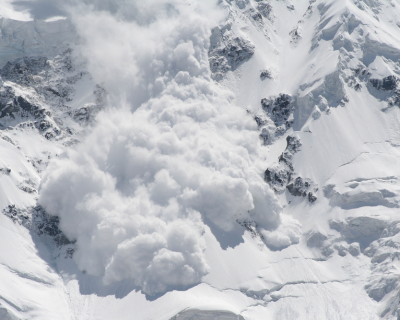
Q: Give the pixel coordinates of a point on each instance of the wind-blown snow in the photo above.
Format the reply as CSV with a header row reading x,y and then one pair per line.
x,y
171,154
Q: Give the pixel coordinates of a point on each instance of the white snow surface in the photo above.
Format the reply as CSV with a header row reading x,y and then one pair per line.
x,y
155,166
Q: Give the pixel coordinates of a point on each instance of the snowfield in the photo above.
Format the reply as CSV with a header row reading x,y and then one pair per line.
x,y
200,160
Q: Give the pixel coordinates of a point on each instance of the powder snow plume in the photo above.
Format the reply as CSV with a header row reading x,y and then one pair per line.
x,y
170,153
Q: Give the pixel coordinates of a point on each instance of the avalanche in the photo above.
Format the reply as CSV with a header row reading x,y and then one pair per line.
x,y
175,159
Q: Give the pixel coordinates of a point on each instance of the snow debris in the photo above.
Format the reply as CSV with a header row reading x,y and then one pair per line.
x,y
134,195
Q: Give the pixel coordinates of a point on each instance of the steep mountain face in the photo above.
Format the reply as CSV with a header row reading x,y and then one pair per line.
x,y
34,38
245,169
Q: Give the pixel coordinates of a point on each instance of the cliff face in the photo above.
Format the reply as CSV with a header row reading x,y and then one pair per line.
x,y
168,166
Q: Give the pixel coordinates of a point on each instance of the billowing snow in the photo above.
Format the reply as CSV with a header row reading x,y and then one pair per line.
x,y
231,160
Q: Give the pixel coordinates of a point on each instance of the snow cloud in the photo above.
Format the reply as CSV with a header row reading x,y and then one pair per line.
x,y
170,150
286,234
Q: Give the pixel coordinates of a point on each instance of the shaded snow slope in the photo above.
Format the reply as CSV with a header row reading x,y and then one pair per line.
x,y
243,165
34,38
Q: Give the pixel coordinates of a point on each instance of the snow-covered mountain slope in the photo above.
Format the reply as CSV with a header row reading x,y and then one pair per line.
x,y
34,38
247,168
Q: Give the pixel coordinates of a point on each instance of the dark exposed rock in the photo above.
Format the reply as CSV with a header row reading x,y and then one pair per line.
x,y
388,83
311,198
25,105
362,71
27,108
257,17
50,85
278,116
6,171
22,70
280,176
232,55
39,222
7,108
279,109
299,187
395,99
43,125
28,189
277,177
265,74
263,123
265,9
250,226
260,121
293,145
69,253
309,10
6,138
360,74
295,34
49,135
16,214
226,52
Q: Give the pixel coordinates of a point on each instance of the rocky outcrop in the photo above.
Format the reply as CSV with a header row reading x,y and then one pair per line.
x,y
279,109
295,34
303,188
388,83
265,9
227,51
5,171
265,74
38,222
281,177
277,117
36,92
